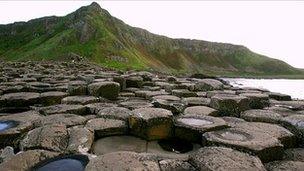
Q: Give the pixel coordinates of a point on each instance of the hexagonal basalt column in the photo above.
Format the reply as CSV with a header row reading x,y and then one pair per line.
x,y
295,123
51,137
265,146
151,123
22,99
191,128
106,127
109,90
257,100
221,158
229,105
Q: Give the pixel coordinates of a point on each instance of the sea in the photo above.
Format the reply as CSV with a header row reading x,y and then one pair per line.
x,y
292,87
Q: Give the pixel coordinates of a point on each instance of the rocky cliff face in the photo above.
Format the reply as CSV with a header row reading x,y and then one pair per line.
x,y
93,33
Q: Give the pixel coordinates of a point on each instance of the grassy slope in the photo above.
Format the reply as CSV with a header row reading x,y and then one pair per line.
x,y
92,32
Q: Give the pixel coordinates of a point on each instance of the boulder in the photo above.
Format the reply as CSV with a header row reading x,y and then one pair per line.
x,y
221,158
108,90
151,123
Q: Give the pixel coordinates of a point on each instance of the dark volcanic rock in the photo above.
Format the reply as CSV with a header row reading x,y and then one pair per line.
x,y
22,99
123,161
265,146
27,160
151,123
230,105
191,128
106,127
63,108
109,90
221,158
51,137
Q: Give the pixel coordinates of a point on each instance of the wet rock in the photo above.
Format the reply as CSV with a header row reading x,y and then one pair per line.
x,y
83,100
22,99
60,119
284,135
94,108
109,90
279,96
169,103
6,153
221,158
51,137
63,108
294,154
285,165
229,105
196,101
151,123
183,93
149,94
200,111
80,140
119,143
14,126
293,105
120,113
266,147
191,128
175,165
295,123
258,115
63,162
208,84
123,161
134,81
105,127
52,97
77,88
27,160
257,100
173,148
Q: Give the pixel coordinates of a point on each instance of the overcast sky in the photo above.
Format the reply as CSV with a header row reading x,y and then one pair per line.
x,y
275,29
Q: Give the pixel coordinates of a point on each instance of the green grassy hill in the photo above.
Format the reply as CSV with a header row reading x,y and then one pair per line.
x,y
93,33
